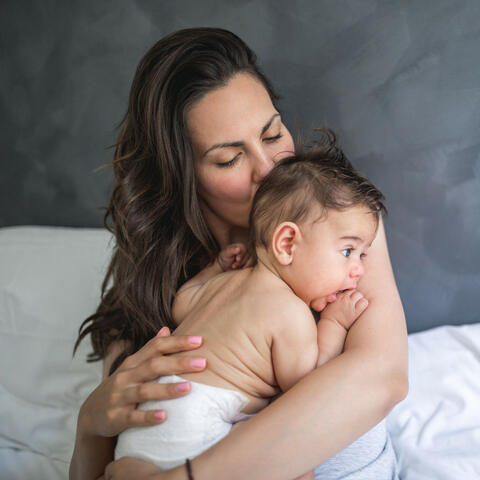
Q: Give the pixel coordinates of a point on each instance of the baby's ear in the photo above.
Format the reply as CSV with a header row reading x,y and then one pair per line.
x,y
284,242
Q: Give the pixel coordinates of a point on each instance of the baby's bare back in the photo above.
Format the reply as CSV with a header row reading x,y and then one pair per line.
x,y
235,314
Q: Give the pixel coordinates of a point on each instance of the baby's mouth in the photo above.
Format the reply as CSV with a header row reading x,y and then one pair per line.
x,y
333,296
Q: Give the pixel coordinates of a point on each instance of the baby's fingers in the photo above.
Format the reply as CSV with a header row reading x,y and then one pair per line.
x,y
361,305
240,256
242,261
228,256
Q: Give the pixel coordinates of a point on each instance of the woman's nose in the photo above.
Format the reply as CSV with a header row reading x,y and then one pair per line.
x,y
357,270
262,164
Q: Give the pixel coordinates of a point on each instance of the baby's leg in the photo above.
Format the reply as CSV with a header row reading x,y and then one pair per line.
x,y
306,476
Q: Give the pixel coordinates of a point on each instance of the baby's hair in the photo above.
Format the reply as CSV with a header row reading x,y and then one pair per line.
x,y
322,176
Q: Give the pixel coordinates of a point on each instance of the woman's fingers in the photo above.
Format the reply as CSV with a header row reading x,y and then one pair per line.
x,y
144,418
158,366
110,405
152,391
161,345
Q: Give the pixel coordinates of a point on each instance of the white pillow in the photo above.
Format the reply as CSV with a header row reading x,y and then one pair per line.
x,y
50,280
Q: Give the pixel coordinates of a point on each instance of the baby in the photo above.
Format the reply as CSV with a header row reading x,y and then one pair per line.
x,y
312,221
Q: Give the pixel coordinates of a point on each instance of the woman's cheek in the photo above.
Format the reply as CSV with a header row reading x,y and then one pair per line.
x,y
236,188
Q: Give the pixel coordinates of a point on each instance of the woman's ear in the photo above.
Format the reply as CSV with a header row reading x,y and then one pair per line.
x,y
285,240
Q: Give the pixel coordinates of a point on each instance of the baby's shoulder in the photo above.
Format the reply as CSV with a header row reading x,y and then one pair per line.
x,y
282,308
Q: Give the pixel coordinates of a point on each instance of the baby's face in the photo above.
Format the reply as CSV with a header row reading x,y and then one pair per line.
x,y
330,257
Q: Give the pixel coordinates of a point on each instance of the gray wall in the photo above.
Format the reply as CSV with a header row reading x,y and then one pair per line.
x,y
398,80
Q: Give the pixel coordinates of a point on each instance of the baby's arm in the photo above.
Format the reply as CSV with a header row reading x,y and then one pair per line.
x,y
294,347
232,257
335,321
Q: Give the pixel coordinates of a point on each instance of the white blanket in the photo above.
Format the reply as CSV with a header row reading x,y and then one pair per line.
x,y
436,429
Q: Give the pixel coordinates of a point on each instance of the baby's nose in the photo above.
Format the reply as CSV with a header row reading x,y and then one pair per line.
x,y
357,270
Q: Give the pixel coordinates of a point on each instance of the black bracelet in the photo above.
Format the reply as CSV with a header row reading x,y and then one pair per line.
x,y
189,469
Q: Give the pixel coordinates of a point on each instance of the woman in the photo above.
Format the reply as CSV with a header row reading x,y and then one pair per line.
x,y
200,133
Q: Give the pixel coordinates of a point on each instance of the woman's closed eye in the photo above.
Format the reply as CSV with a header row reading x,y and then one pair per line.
x,y
273,139
230,163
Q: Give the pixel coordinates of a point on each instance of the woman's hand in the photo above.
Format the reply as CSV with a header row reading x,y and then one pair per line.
x,y
111,407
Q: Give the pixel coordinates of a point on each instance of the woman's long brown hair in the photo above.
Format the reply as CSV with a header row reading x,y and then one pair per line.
x,y
161,236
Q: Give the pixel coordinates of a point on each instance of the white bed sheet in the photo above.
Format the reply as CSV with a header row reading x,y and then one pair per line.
x,y
436,429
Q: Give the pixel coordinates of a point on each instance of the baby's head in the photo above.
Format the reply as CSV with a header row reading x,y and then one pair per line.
x,y
313,218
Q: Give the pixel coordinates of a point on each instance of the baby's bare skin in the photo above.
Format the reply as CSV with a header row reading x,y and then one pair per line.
x,y
259,335
241,313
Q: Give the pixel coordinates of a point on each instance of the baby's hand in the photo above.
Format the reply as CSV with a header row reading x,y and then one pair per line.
x,y
235,256
348,306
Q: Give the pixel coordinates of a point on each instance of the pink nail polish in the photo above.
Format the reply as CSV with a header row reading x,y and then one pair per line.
x,y
183,387
198,362
195,340
160,415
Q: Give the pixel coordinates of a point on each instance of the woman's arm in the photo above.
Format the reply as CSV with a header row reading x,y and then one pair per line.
x,y
92,452
381,331
111,407
329,408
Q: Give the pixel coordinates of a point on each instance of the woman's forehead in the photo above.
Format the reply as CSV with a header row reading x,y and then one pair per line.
x,y
229,113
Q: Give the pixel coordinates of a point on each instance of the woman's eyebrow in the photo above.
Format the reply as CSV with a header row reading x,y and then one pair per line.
x,y
241,144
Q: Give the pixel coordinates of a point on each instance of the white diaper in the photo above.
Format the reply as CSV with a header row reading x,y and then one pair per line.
x,y
195,422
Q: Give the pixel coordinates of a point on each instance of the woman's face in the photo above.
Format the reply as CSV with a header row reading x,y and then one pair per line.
x,y
237,136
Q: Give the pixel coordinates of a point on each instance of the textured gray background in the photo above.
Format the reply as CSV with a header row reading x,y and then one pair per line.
x,y
398,80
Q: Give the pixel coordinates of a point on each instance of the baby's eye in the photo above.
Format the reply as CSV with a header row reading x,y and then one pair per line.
x,y
346,252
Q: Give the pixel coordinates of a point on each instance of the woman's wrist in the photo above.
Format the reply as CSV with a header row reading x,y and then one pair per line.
x,y
91,455
84,425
